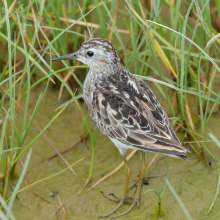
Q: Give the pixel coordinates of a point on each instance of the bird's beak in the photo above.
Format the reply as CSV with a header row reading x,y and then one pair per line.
x,y
68,57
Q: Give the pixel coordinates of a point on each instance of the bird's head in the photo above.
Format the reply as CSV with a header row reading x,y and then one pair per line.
x,y
96,53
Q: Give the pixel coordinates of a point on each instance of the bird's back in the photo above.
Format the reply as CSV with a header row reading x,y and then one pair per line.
x,y
124,108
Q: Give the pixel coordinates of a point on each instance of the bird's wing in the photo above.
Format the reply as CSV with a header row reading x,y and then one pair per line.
x,y
131,113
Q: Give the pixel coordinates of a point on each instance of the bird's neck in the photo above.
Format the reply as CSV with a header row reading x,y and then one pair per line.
x,y
97,76
103,71
108,68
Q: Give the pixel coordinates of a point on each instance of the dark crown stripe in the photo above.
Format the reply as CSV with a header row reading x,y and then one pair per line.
x,y
98,42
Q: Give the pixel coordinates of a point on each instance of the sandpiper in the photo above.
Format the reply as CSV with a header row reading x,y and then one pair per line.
x,y
125,109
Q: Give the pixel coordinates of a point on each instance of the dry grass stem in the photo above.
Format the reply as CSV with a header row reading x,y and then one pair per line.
x,y
214,75
28,181
115,18
65,203
19,198
66,149
63,208
189,117
93,25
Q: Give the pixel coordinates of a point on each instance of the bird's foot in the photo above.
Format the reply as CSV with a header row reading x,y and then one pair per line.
x,y
122,200
115,198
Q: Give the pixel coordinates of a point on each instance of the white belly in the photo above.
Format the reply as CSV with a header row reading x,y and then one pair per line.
x,y
122,147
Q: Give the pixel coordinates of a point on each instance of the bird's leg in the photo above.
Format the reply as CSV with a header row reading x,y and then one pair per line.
x,y
128,174
138,192
142,172
125,196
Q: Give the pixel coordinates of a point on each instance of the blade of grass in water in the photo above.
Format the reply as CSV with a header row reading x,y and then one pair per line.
x,y
46,178
216,195
167,178
20,180
179,200
8,212
159,210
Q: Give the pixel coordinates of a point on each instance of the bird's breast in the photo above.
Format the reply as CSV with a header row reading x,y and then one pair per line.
x,y
89,87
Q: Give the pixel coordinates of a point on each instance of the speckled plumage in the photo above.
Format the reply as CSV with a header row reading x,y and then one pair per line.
x,y
124,108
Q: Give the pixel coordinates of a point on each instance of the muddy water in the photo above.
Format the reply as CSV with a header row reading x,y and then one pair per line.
x,y
196,188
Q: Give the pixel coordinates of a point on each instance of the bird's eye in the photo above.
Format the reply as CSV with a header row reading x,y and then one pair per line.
x,y
90,53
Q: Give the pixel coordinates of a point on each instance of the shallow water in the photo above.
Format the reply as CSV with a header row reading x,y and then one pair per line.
x,y
196,188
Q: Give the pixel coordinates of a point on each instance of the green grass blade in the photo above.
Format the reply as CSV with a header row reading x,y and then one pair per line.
x,y
29,56
8,212
3,133
20,180
28,76
32,118
217,142
216,194
167,178
175,88
179,200
46,178
199,48
52,71
68,102
41,180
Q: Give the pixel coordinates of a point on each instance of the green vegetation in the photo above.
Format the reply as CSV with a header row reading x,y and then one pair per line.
x,y
173,50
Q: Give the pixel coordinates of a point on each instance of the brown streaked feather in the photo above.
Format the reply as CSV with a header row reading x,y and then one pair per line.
x,y
125,108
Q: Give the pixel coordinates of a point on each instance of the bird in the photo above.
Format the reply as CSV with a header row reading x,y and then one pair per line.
x,y
124,108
